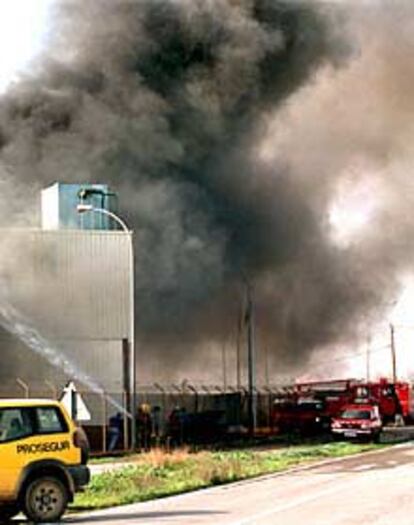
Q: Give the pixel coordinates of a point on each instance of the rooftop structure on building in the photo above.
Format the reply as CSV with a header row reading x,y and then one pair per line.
x,y
59,207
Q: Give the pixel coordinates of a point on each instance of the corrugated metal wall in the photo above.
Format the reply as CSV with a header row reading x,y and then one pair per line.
x,y
73,287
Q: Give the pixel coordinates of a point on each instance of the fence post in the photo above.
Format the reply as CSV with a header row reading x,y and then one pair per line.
x,y
126,426
178,389
206,389
24,386
270,406
163,415
104,417
52,387
194,390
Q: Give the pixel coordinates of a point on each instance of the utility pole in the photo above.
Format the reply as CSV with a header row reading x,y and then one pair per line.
x,y
251,359
224,365
266,366
368,357
393,354
238,341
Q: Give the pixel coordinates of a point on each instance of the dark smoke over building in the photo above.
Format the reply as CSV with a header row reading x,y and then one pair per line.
x,y
171,102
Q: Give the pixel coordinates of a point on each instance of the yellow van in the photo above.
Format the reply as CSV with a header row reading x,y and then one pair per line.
x,y
43,458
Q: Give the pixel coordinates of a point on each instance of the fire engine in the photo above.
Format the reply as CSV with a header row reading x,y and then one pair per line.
x,y
373,406
312,407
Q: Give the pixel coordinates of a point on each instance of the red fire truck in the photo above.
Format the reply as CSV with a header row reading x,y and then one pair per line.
x,y
311,407
308,408
374,405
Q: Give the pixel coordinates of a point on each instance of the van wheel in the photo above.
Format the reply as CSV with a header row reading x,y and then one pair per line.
x,y
45,499
7,512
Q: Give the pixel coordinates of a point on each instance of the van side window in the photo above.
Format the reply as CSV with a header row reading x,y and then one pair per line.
x,y
50,421
15,423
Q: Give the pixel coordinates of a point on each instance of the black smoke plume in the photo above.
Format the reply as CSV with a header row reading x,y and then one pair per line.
x,y
169,101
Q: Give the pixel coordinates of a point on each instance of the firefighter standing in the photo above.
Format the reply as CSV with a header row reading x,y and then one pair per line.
x,y
144,427
115,433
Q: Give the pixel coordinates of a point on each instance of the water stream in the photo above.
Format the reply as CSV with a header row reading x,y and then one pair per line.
x,y
15,323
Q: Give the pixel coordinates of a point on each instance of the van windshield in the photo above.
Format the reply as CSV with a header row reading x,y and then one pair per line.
x,y
356,414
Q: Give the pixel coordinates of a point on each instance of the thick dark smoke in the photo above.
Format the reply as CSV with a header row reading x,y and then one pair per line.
x,y
170,101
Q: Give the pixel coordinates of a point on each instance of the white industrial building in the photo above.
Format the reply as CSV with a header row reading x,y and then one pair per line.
x,y
64,307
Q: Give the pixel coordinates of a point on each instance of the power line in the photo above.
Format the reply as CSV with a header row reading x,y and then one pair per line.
x,y
350,356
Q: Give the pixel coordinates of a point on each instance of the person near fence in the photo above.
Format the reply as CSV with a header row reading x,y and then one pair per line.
x,y
177,426
144,427
173,427
116,424
156,424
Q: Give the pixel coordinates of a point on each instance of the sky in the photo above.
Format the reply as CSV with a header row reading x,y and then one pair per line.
x,y
23,33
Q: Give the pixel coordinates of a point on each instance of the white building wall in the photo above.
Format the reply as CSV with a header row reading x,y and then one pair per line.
x,y
73,288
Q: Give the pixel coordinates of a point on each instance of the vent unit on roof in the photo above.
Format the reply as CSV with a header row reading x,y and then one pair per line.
x,y
59,203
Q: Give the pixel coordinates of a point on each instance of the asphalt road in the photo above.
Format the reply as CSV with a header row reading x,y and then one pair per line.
x,y
373,489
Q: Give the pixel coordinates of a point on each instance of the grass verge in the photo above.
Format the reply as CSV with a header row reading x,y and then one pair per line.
x,y
159,474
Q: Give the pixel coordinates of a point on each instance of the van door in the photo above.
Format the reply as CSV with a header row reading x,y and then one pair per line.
x,y
16,427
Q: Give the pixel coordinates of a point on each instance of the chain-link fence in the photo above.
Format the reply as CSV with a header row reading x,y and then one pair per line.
x,y
166,415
